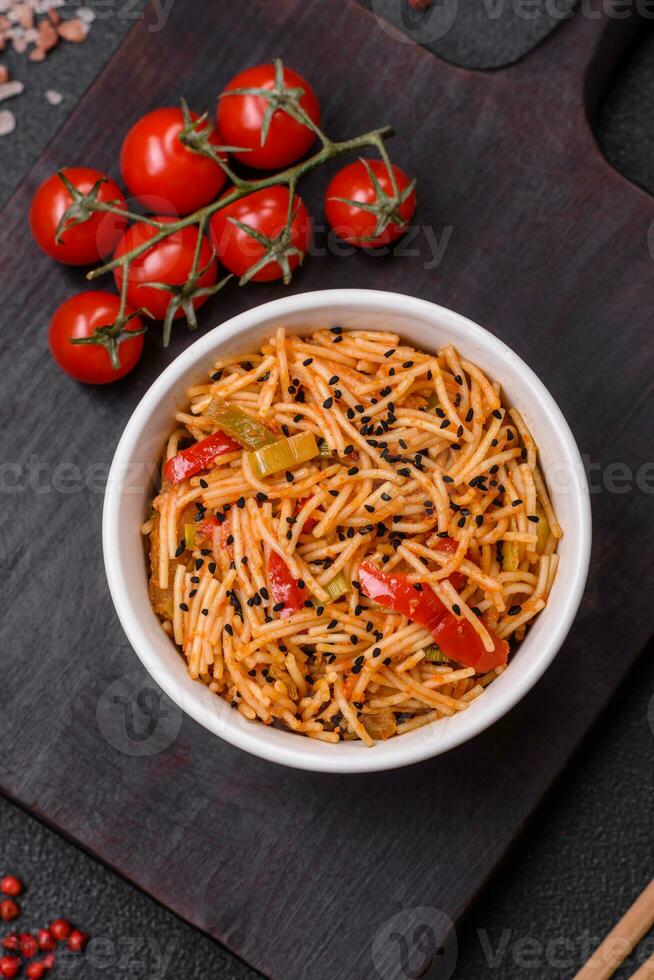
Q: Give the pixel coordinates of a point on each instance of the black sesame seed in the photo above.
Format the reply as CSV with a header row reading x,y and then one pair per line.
x,y
333,493
328,402
387,661
497,413
389,353
192,593
181,549
336,330
353,470
514,610
479,519
216,376
278,606
229,629
516,502
445,424
456,609
308,361
470,415
289,476
205,612
332,623
353,639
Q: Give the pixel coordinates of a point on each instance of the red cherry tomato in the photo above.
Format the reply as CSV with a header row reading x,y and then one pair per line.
x,y
60,929
11,942
35,971
77,941
9,910
83,243
266,212
11,885
169,261
80,316
163,173
357,225
240,119
49,960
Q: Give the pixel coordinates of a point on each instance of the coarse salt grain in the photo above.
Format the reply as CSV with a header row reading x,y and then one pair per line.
x,y
7,122
54,97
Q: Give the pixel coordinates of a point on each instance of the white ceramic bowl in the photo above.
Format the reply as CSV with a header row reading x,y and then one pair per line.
x,y
427,327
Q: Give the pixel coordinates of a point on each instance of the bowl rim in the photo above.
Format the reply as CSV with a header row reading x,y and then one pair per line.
x,y
252,738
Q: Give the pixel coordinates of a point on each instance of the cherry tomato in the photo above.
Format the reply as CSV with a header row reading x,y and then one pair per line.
x,y
240,118
169,261
35,971
357,225
60,929
11,885
83,243
80,316
163,173
266,212
11,942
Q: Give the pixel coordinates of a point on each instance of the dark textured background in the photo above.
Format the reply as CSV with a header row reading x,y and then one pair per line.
x,y
588,851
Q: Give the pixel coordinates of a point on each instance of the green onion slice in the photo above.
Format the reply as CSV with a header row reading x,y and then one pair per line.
x,y
236,423
435,655
189,535
283,454
337,586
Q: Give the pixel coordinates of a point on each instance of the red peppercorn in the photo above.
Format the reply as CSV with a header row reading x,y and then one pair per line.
x,y
28,945
11,942
49,961
11,885
60,929
9,909
9,966
35,971
77,941
45,939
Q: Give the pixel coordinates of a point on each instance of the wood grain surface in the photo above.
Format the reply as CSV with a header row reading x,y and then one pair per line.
x,y
308,875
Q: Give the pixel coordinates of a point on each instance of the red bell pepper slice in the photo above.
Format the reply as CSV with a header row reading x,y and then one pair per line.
x,y
283,586
191,461
459,641
395,592
457,638
310,521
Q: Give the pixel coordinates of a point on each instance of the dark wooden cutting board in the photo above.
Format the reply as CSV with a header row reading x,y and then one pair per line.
x,y
306,875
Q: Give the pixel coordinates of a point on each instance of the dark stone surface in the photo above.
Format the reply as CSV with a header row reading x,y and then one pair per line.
x,y
586,854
